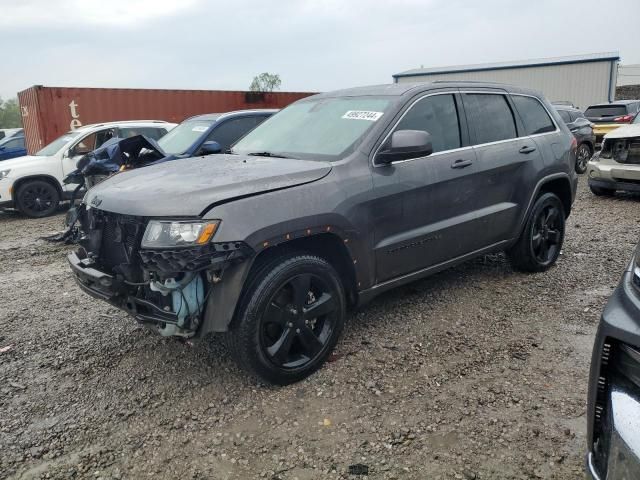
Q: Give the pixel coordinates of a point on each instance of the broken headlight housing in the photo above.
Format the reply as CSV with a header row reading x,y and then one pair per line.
x,y
179,233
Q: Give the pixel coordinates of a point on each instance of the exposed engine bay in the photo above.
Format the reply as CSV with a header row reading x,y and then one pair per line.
x,y
622,150
165,289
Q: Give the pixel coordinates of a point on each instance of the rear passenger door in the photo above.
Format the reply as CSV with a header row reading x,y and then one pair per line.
x,y
505,161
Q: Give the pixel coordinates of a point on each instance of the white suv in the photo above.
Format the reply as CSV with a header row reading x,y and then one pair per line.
x,y
33,184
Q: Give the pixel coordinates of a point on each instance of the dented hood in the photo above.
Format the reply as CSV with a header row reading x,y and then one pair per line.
x,y
191,186
632,130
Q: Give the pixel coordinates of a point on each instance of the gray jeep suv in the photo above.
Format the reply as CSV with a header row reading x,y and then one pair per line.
x,y
330,202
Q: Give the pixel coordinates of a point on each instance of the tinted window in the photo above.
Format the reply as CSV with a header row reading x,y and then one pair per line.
x,y
490,117
606,111
566,116
437,115
229,131
534,117
183,137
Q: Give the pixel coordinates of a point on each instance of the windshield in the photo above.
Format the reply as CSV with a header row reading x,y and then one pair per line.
x,y
178,140
329,128
55,146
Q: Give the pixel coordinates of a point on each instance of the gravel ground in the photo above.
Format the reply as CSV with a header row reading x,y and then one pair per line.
x,y
479,372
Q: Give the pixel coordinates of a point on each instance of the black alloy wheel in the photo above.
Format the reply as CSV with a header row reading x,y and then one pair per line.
x,y
583,155
547,234
541,240
299,321
37,199
289,318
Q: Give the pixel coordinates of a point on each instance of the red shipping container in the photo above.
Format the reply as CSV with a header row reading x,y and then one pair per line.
x,y
48,112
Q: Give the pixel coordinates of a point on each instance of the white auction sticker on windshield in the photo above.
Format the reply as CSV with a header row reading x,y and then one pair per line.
x,y
362,115
199,129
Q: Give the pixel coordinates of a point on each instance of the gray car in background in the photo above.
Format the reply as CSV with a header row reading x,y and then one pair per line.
x,y
335,199
582,129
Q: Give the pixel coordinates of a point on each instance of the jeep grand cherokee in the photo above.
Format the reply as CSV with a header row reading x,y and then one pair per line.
x,y
337,198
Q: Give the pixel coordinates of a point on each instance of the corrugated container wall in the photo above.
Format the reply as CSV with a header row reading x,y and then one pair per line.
x,y
48,112
581,83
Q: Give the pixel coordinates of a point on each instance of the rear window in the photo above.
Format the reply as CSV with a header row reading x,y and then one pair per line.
x,y
490,117
606,111
534,116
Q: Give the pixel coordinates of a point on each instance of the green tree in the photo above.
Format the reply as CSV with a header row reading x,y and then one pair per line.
x,y
265,82
10,114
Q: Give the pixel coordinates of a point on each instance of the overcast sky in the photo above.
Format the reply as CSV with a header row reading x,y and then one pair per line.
x,y
314,45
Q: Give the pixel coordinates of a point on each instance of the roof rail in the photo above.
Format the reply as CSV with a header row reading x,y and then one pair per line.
x,y
468,81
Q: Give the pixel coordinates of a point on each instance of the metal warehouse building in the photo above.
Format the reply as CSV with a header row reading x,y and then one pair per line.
x,y
582,79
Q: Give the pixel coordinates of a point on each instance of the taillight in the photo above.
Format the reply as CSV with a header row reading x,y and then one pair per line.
x,y
623,119
574,144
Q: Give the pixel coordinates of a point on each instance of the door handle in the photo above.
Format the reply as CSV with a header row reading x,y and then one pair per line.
x,y
527,149
460,163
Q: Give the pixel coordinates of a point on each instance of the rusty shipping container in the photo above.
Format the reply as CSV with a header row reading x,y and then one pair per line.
x,y
48,112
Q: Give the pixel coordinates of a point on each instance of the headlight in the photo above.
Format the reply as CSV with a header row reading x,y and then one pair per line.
x,y
4,173
167,234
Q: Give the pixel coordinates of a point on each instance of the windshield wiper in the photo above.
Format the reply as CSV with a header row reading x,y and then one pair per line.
x,y
267,154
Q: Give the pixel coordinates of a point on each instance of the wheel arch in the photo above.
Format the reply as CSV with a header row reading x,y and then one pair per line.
x,y
43,177
225,297
561,187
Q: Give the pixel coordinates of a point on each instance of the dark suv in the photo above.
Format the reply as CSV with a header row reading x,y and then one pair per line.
x,y
582,129
330,202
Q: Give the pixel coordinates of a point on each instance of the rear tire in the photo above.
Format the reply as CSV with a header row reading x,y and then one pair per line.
x,y
289,319
37,198
583,155
540,243
601,192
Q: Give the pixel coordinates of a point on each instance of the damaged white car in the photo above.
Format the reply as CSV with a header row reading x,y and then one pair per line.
x,y
617,165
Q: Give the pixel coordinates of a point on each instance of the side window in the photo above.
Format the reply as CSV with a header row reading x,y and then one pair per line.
x,y
566,116
104,135
86,145
490,117
534,117
21,143
228,132
438,115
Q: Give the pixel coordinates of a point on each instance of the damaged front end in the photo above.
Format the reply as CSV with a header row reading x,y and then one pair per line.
x,y
130,262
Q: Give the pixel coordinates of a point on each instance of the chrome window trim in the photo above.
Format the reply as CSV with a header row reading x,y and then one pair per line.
x,y
384,140
452,92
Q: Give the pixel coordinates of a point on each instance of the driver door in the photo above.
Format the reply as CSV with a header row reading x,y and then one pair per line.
x,y
425,208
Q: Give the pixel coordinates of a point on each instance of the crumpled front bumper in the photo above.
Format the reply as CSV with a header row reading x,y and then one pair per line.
x,y
115,291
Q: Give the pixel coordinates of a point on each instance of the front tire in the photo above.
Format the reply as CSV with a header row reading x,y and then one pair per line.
x,y
583,155
289,319
540,243
37,198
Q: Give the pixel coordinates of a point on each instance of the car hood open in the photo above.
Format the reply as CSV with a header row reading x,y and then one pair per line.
x,y
192,186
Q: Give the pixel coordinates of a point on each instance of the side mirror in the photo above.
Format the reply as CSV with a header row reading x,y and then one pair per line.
x,y
211,147
406,144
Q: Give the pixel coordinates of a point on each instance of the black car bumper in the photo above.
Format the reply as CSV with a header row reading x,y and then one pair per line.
x,y
614,387
115,291
613,185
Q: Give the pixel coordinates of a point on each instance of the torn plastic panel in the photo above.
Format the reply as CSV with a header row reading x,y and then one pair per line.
x,y
167,290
